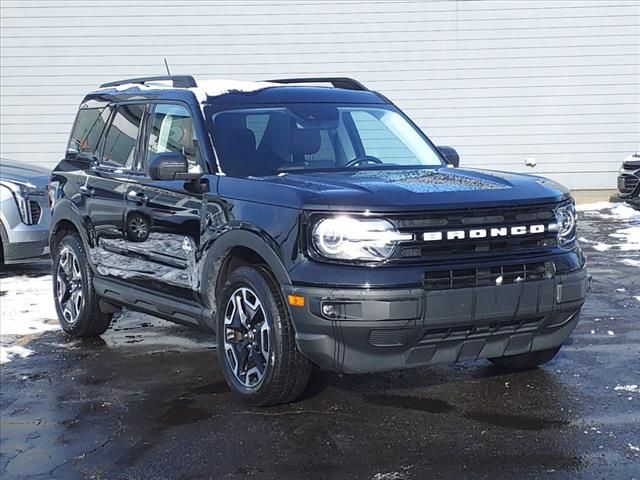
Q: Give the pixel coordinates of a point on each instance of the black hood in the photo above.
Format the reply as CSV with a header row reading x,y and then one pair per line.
x,y
406,189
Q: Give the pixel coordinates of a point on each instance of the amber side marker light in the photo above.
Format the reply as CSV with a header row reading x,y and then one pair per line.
x,y
296,300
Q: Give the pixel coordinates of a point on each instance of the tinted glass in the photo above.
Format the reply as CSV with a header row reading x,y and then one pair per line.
x,y
172,130
266,140
87,129
119,148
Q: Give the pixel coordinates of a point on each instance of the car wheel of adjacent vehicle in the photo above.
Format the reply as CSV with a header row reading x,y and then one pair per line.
x,y
525,361
75,299
256,340
138,227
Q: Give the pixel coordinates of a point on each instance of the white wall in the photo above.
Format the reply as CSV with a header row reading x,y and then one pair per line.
x,y
498,80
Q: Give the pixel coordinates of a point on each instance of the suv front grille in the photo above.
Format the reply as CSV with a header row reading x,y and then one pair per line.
x,y
627,184
482,277
458,332
488,218
35,211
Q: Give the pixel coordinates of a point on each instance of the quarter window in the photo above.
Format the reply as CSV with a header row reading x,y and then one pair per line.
x,y
172,130
87,130
120,144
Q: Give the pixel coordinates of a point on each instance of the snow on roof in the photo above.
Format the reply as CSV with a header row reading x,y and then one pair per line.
x,y
213,88
205,88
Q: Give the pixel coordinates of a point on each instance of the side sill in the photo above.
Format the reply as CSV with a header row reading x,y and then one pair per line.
x,y
179,311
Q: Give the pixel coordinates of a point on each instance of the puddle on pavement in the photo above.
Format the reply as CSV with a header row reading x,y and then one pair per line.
x,y
181,412
434,405
431,405
210,389
515,422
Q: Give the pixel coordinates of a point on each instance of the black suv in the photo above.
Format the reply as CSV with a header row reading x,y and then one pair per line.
x,y
305,224
629,180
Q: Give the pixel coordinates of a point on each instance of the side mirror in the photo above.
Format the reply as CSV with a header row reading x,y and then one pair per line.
x,y
170,166
451,155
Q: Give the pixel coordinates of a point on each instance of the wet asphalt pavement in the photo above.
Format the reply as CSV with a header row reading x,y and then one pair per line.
x,y
147,401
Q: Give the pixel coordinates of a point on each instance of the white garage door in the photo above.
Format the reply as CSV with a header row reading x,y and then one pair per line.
x,y
501,81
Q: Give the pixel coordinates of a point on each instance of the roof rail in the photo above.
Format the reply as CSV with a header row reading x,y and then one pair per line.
x,y
179,81
337,82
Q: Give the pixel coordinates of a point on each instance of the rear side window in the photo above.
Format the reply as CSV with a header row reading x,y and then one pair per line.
x,y
87,130
120,143
172,130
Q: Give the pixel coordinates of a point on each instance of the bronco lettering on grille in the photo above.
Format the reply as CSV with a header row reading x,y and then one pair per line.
x,y
487,232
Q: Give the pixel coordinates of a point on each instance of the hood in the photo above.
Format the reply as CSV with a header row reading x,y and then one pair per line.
x,y
407,189
24,172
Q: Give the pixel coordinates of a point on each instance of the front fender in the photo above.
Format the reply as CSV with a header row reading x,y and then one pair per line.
x,y
216,250
67,211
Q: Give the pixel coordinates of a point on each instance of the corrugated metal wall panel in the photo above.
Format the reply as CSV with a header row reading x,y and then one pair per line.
x,y
499,80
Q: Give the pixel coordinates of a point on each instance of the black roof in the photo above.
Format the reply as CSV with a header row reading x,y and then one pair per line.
x,y
344,91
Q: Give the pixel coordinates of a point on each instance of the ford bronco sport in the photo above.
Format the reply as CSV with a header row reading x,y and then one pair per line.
x,y
305,224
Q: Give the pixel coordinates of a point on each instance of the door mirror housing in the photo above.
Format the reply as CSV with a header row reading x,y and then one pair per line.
x,y
451,155
171,166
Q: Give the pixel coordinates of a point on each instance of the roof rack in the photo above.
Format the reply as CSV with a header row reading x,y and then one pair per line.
x,y
179,81
337,82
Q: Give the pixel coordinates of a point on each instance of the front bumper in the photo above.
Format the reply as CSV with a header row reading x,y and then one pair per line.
x,y
22,242
388,329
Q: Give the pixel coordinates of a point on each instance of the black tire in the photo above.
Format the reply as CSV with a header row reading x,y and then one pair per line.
x,y
88,321
138,227
286,371
525,361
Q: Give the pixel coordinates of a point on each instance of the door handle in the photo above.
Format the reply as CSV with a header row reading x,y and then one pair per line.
x,y
84,190
137,197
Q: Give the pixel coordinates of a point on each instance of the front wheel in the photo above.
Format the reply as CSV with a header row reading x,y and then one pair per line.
x,y
256,340
525,361
74,297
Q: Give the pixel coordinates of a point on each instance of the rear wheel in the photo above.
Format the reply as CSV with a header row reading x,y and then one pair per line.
x,y
75,299
525,361
256,340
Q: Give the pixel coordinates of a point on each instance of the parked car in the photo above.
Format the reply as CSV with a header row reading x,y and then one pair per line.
x,y
305,224
24,212
629,180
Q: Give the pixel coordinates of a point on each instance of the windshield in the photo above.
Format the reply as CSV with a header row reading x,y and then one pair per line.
x,y
261,141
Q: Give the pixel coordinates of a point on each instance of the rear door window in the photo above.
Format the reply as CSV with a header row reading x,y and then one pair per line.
x,y
120,144
171,129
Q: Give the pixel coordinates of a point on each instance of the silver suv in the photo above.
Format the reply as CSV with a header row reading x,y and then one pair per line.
x,y
24,211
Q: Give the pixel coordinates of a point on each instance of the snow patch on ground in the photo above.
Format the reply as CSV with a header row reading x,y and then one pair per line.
x,y
7,353
617,211
602,247
630,238
389,476
627,388
27,308
631,262
637,298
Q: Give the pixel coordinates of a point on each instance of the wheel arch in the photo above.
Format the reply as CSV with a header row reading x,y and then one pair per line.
x,y
65,220
232,249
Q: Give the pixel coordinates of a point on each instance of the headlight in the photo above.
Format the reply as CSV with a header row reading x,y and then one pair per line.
x,y
566,224
21,193
347,238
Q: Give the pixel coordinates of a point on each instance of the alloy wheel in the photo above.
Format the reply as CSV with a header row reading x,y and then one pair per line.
x,y
69,286
138,227
246,337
